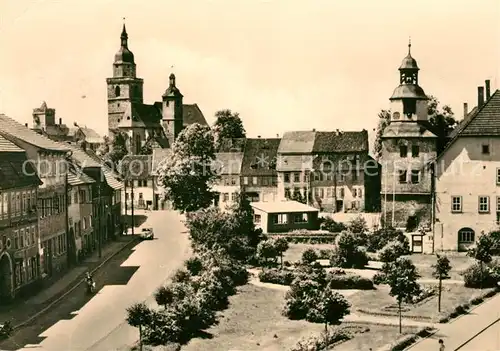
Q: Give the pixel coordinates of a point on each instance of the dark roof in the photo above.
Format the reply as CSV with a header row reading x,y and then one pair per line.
x,y
157,142
409,63
77,177
413,129
341,142
136,166
12,173
259,157
408,91
12,129
483,121
81,158
463,122
192,114
228,163
91,136
7,146
111,177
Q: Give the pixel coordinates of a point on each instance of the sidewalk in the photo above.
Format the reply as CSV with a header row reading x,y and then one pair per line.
x,y
464,328
21,312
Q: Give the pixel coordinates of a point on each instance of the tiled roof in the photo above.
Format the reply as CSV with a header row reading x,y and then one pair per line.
x,y
259,157
112,178
12,174
232,145
330,142
82,159
7,146
294,163
149,114
58,130
299,142
136,166
418,129
76,177
283,206
192,114
159,156
463,122
91,136
228,163
486,122
11,129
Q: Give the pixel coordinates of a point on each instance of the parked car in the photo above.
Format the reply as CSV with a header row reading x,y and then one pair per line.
x,y
147,234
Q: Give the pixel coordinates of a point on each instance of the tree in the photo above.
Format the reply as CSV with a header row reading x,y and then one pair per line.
x,y
402,276
281,245
392,251
139,315
164,296
330,307
188,175
383,121
118,148
349,252
267,250
146,149
442,119
482,252
309,256
103,149
441,271
228,125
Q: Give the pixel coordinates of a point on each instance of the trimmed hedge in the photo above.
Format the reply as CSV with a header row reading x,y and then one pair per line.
x,y
349,281
407,340
277,276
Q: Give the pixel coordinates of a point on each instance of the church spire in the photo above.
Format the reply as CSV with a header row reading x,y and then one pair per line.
x,y
409,46
124,36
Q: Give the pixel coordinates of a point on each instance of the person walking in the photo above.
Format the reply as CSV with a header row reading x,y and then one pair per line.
x,y
441,345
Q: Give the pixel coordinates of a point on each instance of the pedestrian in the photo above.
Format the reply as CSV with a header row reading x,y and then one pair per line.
x,y
441,345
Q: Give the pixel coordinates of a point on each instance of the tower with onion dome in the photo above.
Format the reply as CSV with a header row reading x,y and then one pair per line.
x,y
408,146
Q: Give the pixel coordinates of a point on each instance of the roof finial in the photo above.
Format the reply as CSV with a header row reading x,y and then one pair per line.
x,y
409,46
124,35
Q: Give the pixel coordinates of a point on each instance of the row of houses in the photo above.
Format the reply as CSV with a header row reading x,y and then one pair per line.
x,y
58,204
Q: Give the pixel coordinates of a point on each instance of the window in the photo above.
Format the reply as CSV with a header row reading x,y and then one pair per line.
x,y
341,193
415,150
328,192
456,204
233,180
117,91
402,176
466,236
16,240
233,197
317,176
225,197
498,176
287,193
360,192
485,149
245,180
256,218
355,175
354,192
296,177
342,177
281,218
265,181
33,235
484,204
254,180
21,239
415,176
287,177
300,218
403,151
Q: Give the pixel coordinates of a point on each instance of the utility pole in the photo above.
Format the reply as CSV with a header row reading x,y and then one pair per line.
x,y
69,239
99,214
132,203
393,197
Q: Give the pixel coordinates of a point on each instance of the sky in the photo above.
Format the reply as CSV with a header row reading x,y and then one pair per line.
x,y
282,64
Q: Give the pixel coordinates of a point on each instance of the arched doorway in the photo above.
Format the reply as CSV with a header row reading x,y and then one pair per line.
x,y
5,277
466,238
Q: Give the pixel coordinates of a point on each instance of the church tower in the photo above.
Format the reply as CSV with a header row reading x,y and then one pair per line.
x,y
124,88
172,118
408,147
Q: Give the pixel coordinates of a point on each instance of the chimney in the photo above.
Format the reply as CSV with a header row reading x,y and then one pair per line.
x,y
337,131
466,109
60,121
314,129
26,125
487,85
258,136
480,97
277,136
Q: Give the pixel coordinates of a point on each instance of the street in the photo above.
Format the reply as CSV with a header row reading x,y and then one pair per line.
x,y
82,322
489,340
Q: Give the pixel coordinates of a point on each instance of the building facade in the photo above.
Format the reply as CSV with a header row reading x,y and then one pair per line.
x,y
49,159
227,187
138,181
19,236
284,216
408,147
468,178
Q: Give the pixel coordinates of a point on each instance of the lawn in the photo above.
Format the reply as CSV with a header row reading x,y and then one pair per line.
x,y
424,265
294,252
379,301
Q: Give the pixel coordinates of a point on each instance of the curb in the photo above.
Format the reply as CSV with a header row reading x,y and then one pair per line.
x,y
45,309
478,333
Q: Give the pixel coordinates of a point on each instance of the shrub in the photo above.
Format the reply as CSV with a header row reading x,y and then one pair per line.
x,y
325,254
380,238
333,227
164,296
349,254
317,343
276,276
194,265
392,251
309,256
358,225
379,278
181,276
337,271
349,282
266,250
477,277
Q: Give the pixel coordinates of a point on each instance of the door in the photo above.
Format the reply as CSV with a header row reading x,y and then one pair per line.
x,y
416,244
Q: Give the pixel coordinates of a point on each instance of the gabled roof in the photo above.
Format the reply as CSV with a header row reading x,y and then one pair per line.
x,y
463,122
8,146
259,157
298,142
294,163
149,114
12,130
76,177
136,166
232,145
341,142
81,158
111,177
159,156
191,114
15,172
228,163
91,136
483,121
